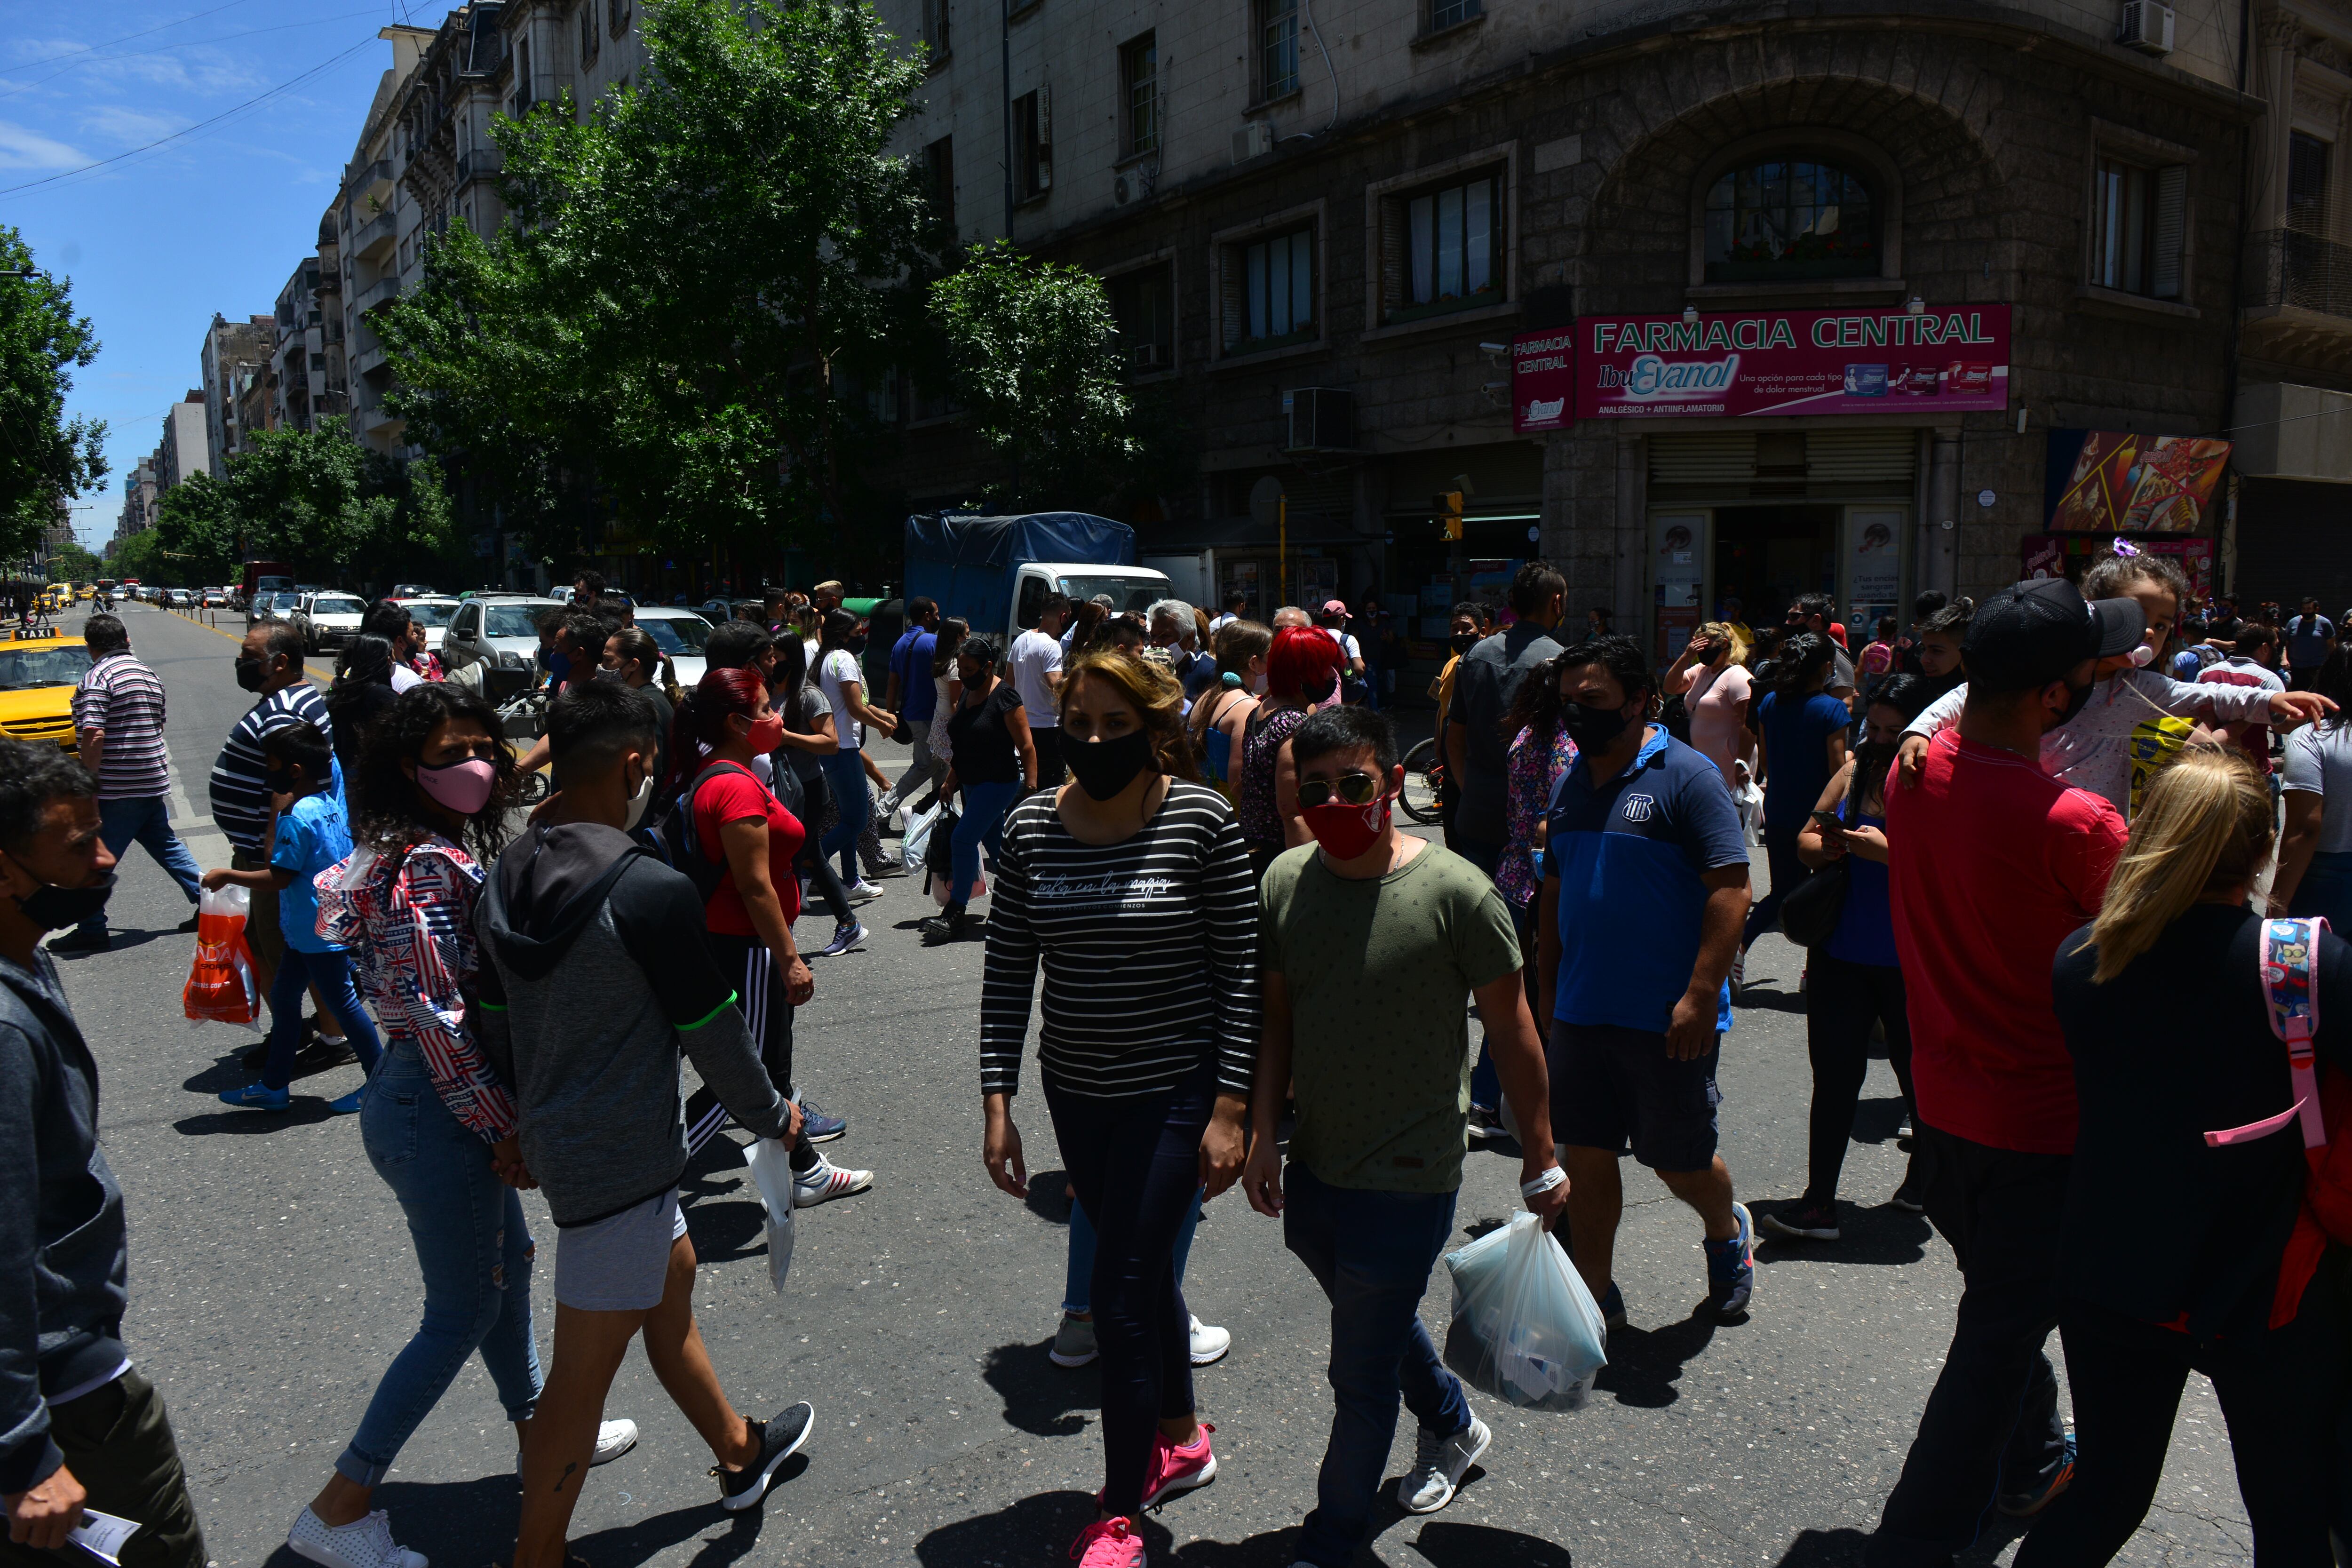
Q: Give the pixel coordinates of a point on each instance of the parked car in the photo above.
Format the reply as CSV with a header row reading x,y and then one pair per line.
x,y
278,603
500,630
182,599
679,633
413,591
432,612
328,620
216,599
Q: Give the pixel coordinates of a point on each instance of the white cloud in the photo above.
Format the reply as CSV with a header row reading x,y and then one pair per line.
x,y
23,148
127,127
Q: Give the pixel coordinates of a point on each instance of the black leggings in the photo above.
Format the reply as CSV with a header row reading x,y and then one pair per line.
x,y
1780,853
1842,1001
768,1018
2279,1391
1136,1163
812,862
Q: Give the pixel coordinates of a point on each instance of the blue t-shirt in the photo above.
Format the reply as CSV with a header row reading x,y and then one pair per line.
x,y
1797,753
311,836
1630,853
1865,929
910,661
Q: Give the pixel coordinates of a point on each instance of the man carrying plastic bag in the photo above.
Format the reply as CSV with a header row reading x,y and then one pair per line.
x,y
1526,1328
1372,940
221,987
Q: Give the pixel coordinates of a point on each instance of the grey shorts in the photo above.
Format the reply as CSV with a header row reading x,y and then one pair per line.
x,y
619,1263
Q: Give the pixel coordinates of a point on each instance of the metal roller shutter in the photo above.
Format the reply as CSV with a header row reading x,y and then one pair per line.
x,y
1705,457
1884,459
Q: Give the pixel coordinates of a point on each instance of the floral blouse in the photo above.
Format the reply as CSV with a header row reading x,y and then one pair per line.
x,y
1532,775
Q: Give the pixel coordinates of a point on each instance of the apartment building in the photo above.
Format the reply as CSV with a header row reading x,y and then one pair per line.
x,y
232,352
1371,251
182,450
140,495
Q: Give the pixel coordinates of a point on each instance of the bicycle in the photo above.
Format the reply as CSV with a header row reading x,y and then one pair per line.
x,y
1424,775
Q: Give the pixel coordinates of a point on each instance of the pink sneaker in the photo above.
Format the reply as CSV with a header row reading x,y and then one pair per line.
x,y
1178,1469
1107,1544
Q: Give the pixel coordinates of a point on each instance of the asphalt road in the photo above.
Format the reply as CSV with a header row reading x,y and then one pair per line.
x,y
271,1280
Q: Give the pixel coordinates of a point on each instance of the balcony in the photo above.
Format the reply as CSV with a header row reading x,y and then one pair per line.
x,y
481,163
384,288
2297,301
375,239
365,180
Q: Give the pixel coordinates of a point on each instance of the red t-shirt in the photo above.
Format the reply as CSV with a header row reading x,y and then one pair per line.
x,y
732,796
1992,863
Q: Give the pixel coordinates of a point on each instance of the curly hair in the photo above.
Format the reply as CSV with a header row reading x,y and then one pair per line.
x,y
1155,696
390,812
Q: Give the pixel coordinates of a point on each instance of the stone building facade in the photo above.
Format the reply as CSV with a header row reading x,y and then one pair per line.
x,y
1322,232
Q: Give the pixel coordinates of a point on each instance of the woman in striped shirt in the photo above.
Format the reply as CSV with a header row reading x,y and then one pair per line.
x,y
1133,888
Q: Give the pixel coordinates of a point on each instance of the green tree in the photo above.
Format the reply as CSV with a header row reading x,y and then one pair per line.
x,y
316,499
141,556
195,534
45,457
664,343
72,563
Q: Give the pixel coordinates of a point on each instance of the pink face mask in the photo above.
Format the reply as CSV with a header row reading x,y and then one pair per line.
x,y
464,787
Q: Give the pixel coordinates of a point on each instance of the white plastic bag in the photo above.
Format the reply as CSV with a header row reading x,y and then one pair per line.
x,y
772,1172
1525,1328
917,841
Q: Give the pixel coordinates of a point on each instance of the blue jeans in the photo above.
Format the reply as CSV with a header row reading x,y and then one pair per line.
x,y
847,774
147,819
331,971
1078,1281
473,1249
983,822
1371,1252
2325,890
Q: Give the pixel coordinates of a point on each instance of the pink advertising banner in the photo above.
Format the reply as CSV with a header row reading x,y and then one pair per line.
x,y
1741,362
1543,380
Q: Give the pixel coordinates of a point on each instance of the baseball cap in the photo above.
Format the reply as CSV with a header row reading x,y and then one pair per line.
x,y
2033,634
1334,607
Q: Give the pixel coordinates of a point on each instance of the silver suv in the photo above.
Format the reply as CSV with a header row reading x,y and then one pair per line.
x,y
501,631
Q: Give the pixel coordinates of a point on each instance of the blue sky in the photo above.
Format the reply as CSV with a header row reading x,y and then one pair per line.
x,y
214,219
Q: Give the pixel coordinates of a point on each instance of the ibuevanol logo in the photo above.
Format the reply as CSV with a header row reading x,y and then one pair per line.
x,y
1538,408
1650,378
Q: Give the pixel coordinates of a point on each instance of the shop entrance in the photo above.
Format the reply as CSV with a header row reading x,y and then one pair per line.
x,y
1765,556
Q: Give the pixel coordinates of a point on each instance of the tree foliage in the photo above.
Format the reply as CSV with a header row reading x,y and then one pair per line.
x,y
45,457
663,343
314,498
72,563
141,556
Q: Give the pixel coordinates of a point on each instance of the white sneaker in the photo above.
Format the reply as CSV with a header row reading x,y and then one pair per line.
x,y
368,1544
614,1439
1438,1464
862,891
1209,1344
825,1180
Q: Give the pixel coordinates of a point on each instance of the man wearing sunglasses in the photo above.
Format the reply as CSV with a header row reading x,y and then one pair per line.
x,y
1371,941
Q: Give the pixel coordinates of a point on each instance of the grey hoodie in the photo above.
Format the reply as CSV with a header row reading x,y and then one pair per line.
x,y
596,978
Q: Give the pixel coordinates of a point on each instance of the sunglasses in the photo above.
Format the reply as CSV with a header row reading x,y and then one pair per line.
x,y
1353,789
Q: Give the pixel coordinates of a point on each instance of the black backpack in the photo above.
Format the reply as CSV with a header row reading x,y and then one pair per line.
x,y
673,841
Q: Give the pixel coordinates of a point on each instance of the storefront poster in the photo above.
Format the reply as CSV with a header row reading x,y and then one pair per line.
x,y
2124,483
1875,576
1947,359
1543,380
2069,555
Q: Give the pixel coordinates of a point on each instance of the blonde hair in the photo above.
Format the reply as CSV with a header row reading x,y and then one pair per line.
x,y
2204,827
1721,632
1155,695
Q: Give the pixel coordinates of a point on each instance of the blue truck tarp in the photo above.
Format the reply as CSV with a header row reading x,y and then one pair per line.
x,y
967,563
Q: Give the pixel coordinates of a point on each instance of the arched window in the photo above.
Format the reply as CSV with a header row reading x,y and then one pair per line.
x,y
1790,218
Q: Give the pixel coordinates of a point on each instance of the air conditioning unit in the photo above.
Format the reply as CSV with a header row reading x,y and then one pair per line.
x,y
1319,419
2146,26
1145,356
1254,140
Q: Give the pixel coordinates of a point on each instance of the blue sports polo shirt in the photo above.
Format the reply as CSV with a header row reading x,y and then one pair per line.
x,y
1629,853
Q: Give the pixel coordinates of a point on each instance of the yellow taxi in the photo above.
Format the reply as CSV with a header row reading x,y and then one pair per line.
x,y
37,676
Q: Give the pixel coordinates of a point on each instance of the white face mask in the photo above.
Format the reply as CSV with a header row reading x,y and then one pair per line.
x,y
638,802
1257,684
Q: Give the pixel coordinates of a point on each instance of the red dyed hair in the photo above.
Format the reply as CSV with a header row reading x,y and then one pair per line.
x,y
1303,660
702,715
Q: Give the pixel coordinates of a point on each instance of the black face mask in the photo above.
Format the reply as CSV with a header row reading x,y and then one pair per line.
x,y
856,644
2076,697
1592,728
1103,768
53,908
1465,641
248,672
281,783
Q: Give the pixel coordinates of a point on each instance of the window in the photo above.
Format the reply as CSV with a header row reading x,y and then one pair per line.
x,y
1143,304
589,36
938,162
935,29
1790,218
522,79
1277,34
2138,224
1442,250
2307,183
616,15
1033,143
1445,14
1270,292
1139,75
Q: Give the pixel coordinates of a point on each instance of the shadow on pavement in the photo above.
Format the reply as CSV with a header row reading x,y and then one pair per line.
x,y
1875,1121
451,1521
1645,1364
636,1543
307,1111
1049,1197
1040,1529
723,1232
1877,1235
1825,1548
1756,993
1483,1546
1039,1396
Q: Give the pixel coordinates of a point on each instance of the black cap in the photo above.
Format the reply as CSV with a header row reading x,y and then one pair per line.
x,y
2030,635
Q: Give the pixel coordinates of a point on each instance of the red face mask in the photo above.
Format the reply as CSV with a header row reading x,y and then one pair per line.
x,y
1347,831
766,735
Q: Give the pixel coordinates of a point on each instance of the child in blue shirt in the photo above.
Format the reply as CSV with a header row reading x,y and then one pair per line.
x,y
312,834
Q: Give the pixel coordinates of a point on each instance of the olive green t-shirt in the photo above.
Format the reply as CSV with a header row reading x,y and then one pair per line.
x,y
1380,974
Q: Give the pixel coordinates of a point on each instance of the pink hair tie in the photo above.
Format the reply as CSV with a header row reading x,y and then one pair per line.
x,y
2125,547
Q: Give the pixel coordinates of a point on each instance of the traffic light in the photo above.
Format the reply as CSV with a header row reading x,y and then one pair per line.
x,y
1449,513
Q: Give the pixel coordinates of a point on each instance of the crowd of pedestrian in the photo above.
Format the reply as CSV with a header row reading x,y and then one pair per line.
x,y
1996,833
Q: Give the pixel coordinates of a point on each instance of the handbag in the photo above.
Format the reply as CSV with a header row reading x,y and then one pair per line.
x,y
1809,914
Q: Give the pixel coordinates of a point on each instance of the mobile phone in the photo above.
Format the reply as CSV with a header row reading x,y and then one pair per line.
x,y
1828,820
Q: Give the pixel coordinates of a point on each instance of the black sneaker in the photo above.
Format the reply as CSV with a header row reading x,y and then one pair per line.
x,y
780,1436
941,929
321,1053
1802,1221
1484,1124
75,943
